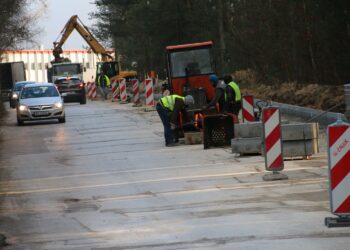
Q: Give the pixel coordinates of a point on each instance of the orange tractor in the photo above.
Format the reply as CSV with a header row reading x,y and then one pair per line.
x,y
188,69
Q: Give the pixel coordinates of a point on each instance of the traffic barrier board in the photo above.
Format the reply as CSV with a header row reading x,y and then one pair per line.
x,y
339,168
122,87
272,139
149,92
248,108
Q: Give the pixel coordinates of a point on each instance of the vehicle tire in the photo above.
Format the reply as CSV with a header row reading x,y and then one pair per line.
x,y
62,120
83,100
19,122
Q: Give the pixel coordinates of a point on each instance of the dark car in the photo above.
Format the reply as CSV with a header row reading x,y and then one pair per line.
x,y
17,87
72,89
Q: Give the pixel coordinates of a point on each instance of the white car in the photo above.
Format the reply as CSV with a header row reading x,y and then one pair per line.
x,y
40,101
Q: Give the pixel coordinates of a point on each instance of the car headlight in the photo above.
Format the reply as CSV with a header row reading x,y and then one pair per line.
x,y
14,96
22,108
59,105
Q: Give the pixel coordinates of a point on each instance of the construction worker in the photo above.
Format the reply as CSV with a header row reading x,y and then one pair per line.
x,y
219,97
232,96
169,108
103,84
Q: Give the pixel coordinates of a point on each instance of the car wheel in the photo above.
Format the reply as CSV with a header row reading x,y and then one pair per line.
x,y
19,122
83,100
62,120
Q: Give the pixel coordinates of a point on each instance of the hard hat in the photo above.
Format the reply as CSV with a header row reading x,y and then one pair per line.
x,y
213,78
189,100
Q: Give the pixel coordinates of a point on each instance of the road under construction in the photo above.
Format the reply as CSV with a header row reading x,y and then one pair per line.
x,y
104,180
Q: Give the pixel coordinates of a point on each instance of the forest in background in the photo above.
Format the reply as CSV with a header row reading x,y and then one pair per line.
x,y
305,41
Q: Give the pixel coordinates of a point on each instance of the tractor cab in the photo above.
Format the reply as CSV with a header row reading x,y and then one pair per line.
x,y
188,68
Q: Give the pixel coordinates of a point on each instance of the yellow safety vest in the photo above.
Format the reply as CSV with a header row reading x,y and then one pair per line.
x,y
108,82
235,88
169,101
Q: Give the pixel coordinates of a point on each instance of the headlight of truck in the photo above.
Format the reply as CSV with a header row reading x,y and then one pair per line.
x,y
58,105
14,96
22,108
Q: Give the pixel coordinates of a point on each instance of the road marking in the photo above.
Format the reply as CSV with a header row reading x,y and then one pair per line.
x,y
217,188
58,189
64,177
61,206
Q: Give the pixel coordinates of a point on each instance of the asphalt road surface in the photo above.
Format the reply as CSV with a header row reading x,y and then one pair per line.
x,y
104,180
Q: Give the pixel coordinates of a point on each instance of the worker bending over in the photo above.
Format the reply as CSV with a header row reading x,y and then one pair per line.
x,y
169,108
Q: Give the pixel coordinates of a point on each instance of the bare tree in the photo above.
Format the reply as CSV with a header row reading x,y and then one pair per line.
x,y
17,23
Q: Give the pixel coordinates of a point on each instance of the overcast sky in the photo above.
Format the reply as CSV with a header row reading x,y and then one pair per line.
x,y
57,15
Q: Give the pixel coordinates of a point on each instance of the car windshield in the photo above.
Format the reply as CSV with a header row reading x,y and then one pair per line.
x,y
39,91
195,62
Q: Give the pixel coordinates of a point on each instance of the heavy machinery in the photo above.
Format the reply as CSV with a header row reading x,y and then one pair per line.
x,y
108,65
188,69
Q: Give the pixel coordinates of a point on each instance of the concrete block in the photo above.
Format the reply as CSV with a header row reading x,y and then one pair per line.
x,y
246,145
193,138
248,130
300,148
302,131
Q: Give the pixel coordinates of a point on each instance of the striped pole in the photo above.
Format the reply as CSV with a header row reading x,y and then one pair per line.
x,y
339,173
136,91
149,92
88,87
115,94
272,143
122,87
248,108
92,91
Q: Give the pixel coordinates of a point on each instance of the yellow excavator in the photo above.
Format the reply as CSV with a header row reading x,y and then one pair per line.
x,y
108,64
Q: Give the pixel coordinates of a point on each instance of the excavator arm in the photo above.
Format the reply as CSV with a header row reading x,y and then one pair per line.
x,y
75,23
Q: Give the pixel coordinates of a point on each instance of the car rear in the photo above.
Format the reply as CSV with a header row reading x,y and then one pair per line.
x,y
71,89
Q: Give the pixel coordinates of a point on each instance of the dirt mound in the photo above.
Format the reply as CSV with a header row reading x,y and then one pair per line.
x,y
323,97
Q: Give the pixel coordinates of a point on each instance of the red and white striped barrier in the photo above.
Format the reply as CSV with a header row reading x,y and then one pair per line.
x,y
272,139
87,87
248,108
339,167
149,92
122,87
92,90
136,91
115,90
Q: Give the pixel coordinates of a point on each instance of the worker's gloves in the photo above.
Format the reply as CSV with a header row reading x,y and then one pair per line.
x,y
172,126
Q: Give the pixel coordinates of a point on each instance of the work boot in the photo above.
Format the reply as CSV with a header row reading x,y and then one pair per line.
x,y
173,144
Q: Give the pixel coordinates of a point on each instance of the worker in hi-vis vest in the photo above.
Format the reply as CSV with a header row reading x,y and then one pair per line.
x,y
169,108
232,96
103,84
